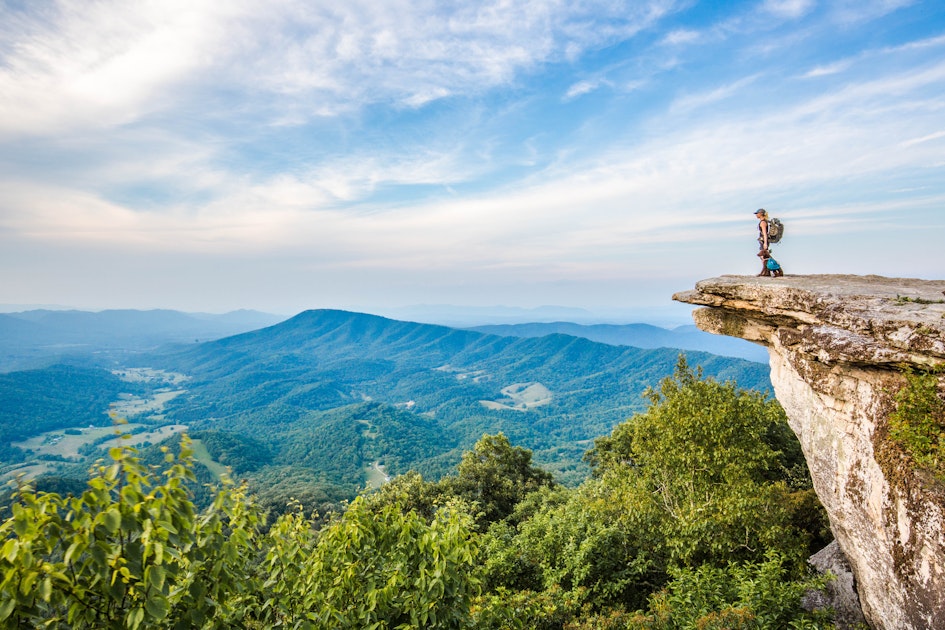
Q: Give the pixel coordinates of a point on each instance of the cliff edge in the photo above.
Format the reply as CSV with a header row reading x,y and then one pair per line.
x,y
837,347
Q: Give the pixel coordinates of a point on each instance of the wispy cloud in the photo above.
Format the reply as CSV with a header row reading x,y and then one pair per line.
x,y
585,87
852,12
691,102
790,9
111,63
506,145
682,36
829,69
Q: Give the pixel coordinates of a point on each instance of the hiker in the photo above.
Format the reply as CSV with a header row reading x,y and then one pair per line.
x,y
762,216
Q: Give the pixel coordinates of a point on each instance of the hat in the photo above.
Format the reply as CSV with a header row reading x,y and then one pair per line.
x,y
760,211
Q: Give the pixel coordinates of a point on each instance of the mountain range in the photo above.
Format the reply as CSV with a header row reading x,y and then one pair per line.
x,y
39,337
339,397
553,394
638,336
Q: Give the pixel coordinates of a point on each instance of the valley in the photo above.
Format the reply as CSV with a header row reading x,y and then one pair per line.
x,y
345,400
65,448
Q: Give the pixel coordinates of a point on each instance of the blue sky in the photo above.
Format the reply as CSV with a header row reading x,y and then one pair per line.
x,y
600,154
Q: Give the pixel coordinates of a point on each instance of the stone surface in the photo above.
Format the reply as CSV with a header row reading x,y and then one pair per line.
x,y
840,594
837,346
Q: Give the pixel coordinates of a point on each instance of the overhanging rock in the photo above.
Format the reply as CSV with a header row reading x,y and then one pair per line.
x,y
837,347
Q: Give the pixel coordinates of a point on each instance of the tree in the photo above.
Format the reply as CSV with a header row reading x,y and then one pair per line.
x,y
129,552
689,492
132,552
372,568
496,476
698,459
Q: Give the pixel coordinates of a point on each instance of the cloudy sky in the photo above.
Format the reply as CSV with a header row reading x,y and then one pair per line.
x,y
371,154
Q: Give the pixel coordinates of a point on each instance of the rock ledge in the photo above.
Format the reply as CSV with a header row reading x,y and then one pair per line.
x,y
837,346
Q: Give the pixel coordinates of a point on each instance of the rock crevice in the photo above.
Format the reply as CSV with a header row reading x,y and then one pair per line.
x,y
838,346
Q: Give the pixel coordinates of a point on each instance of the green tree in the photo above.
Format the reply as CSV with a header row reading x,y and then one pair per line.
x,y
372,568
132,552
761,595
127,553
690,487
918,421
698,465
412,493
496,476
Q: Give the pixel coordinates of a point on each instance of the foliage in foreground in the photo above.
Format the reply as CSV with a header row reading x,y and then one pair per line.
x,y
918,422
694,519
132,553
692,491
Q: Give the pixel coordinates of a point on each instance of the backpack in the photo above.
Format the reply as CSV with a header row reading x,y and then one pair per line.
x,y
775,230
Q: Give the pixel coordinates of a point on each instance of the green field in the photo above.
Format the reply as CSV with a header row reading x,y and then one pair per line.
x,y
65,443
375,475
202,456
521,397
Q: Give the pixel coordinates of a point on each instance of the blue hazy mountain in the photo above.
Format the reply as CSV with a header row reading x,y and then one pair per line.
x,y
39,337
638,336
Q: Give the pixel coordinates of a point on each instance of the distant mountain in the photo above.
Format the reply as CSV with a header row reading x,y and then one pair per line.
x,y
553,394
667,315
638,336
467,316
40,337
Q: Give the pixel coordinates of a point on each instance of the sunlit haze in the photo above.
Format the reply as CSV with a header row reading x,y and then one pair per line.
x,y
283,155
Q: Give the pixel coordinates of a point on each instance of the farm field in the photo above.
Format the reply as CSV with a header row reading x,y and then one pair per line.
x,y
64,445
521,397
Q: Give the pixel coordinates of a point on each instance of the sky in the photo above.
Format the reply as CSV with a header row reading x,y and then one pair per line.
x,y
374,155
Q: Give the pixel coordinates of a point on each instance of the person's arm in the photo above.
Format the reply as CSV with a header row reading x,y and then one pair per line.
x,y
764,232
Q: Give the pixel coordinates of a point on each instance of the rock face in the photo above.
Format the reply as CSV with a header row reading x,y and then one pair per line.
x,y
837,346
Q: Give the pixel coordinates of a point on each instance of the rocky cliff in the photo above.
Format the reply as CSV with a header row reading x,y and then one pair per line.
x,y
838,346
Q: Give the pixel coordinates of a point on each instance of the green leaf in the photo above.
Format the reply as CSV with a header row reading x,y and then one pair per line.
x,y
45,589
112,519
6,607
9,551
156,576
157,606
136,617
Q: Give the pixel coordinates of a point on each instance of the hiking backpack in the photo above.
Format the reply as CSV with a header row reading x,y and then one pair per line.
x,y
775,230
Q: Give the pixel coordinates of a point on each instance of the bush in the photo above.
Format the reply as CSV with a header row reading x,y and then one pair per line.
x,y
918,422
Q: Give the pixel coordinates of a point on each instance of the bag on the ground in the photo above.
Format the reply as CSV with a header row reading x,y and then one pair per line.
x,y
775,230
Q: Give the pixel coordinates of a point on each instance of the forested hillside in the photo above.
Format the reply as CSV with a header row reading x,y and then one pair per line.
x,y
63,396
300,388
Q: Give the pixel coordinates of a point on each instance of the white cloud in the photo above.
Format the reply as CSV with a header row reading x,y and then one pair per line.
x,y
852,12
789,9
926,138
921,44
585,87
113,62
828,70
418,192
682,36
99,64
672,189
695,101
